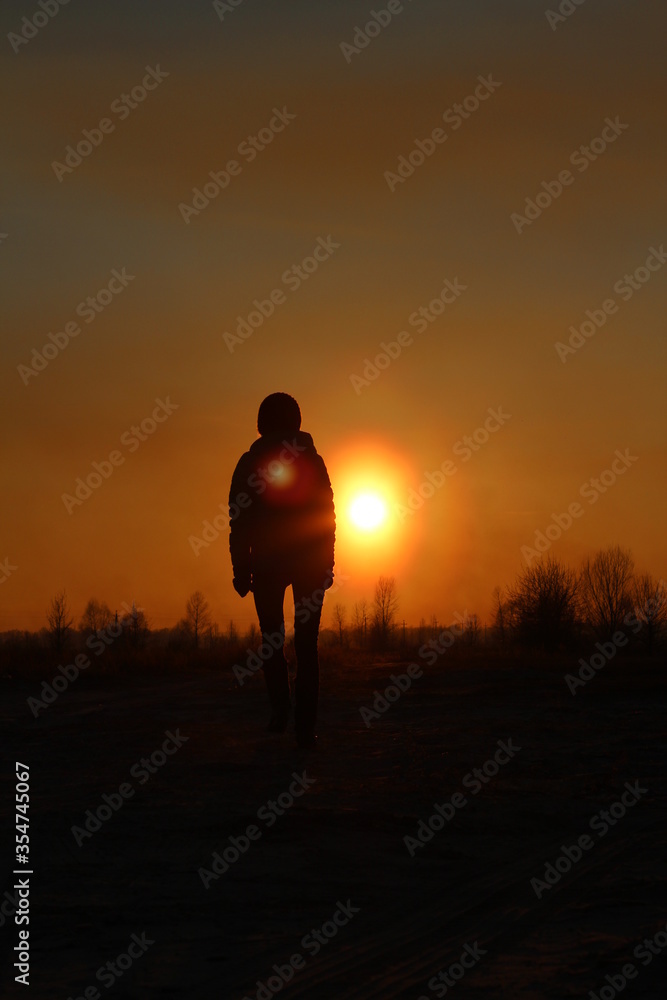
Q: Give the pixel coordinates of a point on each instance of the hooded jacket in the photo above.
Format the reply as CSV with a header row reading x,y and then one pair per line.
x,y
281,509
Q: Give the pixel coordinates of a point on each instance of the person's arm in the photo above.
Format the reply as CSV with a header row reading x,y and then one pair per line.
x,y
327,522
239,529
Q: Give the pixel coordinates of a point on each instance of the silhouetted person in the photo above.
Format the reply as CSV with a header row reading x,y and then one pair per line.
x,y
282,528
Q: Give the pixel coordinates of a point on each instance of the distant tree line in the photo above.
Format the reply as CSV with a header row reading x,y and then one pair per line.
x,y
126,631
376,625
551,605
373,625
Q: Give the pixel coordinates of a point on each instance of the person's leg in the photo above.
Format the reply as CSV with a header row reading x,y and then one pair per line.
x,y
269,593
308,599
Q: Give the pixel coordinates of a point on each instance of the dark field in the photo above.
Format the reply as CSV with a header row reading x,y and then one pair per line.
x,y
342,840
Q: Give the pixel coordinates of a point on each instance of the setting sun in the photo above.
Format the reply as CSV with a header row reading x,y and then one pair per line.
x,y
368,511
371,478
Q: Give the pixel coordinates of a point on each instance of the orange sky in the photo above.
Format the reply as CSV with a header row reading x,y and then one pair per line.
x,y
323,177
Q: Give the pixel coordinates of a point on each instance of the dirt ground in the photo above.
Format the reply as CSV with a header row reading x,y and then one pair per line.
x,y
406,918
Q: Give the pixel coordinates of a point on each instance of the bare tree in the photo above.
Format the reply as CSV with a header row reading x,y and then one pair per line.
x,y
135,626
607,585
96,616
339,617
252,635
499,612
60,621
543,605
385,606
650,608
360,621
197,619
471,629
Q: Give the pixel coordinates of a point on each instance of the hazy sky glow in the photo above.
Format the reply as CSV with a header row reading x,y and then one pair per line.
x,y
152,348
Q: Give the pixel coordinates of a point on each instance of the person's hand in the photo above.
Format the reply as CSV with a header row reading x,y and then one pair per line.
x,y
241,586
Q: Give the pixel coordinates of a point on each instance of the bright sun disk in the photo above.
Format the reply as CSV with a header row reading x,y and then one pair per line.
x,y
368,511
